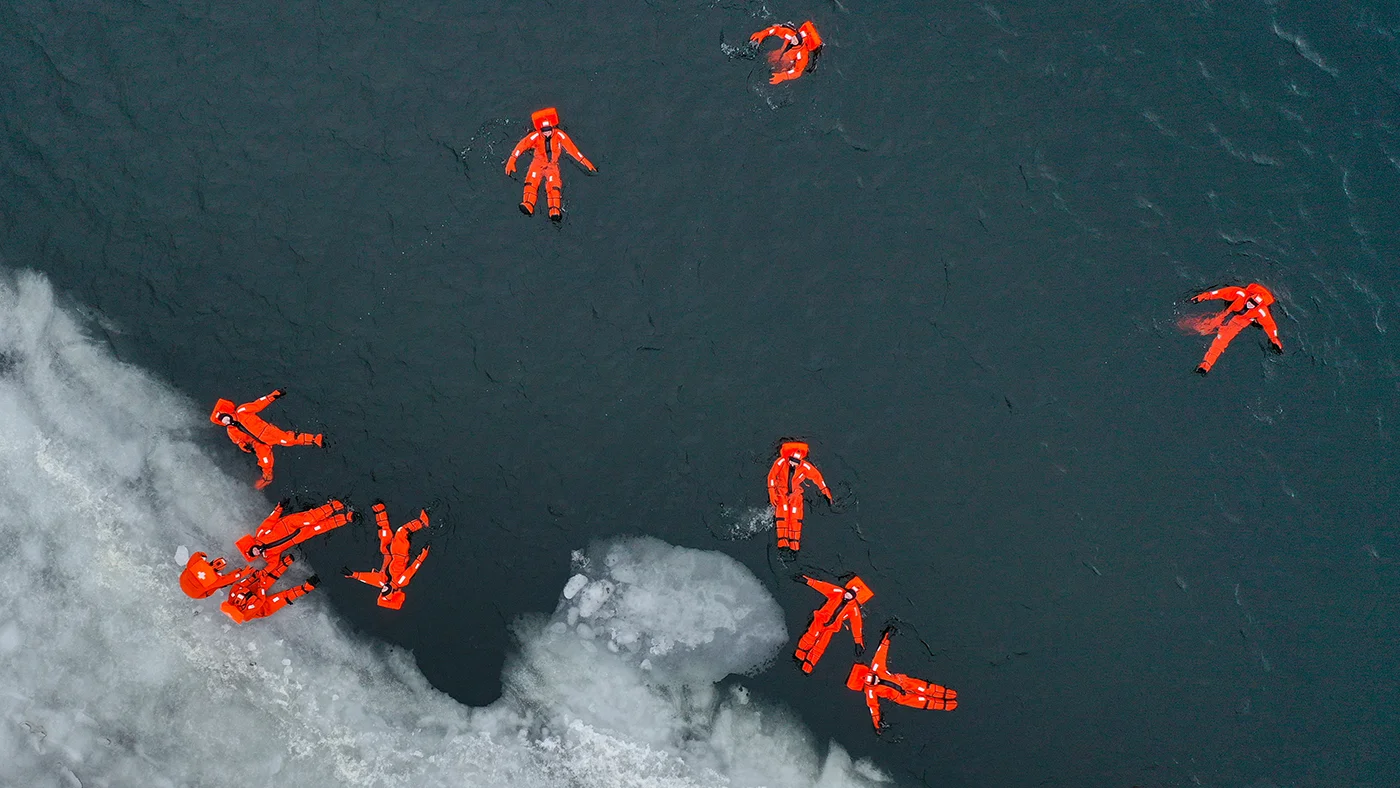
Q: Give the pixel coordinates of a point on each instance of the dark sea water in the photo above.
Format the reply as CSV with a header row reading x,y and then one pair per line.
x,y
953,258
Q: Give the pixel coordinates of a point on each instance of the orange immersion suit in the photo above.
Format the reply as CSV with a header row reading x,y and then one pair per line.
x,y
842,605
877,682
201,576
1249,304
279,532
548,143
785,491
251,433
253,597
798,53
396,572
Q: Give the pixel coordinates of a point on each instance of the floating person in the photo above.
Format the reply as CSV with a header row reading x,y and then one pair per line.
x,y
843,605
785,491
877,682
202,577
253,597
279,532
548,143
1248,304
251,433
396,572
798,53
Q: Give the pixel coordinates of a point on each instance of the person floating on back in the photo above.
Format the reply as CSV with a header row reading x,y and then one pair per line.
x,y
252,597
251,433
842,606
548,143
785,491
877,682
1248,304
280,532
396,572
798,53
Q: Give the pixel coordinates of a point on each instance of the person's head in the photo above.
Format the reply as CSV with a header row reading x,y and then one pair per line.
x,y
385,589
255,551
225,419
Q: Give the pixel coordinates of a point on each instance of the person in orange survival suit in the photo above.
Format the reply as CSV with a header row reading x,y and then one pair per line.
x,y
396,572
785,491
798,53
1248,304
251,433
279,532
547,142
201,577
253,597
878,682
842,605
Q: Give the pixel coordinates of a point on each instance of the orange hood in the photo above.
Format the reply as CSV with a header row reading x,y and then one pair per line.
x,y
811,39
859,673
220,408
549,116
190,582
1256,289
790,448
863,592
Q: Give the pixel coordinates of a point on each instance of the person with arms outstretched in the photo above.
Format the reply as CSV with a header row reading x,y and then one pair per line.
x,y
843,606
785,491
798,53
547,143
396,572
279,532
1248,304
251,433
876,681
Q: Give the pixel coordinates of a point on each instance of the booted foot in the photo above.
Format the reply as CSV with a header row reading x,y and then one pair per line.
x,y
313,581
556,216
1202,370
319,440
528,210
345,572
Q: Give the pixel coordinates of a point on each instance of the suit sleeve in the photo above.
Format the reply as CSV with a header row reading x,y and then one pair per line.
x,y
520,148
817,478
1266,322
1222,294
570,148
259,403
857,625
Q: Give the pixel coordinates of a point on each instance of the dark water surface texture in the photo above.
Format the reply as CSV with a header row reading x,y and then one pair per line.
x,y
953,258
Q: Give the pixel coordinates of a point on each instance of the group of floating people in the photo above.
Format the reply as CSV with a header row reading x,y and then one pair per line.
x,y
844,606
265,550
793,470
797,53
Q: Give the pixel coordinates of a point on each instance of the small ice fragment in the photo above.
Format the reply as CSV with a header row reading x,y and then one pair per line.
x,y
182,555
575,584
286,662
585,631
